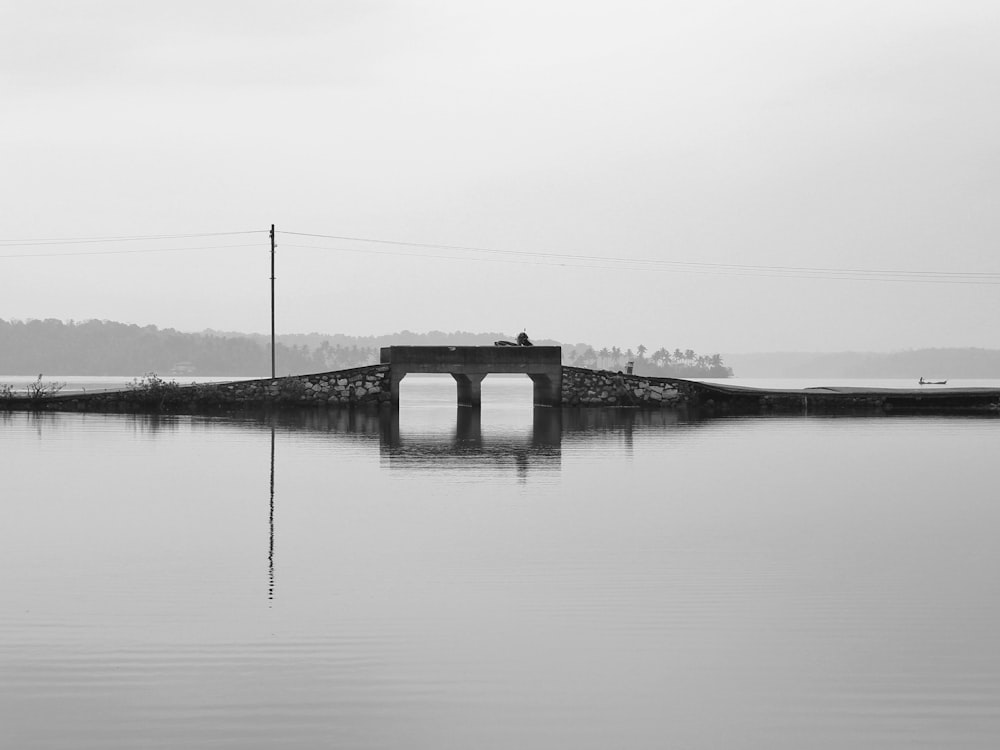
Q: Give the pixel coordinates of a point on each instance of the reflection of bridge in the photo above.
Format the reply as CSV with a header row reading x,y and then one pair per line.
x,y
470,364
546,431
469,447
463,447
466,446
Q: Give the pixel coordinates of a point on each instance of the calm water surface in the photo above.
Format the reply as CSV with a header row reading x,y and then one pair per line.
x,y
520,579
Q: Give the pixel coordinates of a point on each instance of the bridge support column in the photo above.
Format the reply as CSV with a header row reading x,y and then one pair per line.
x,y
547,391
470,388
394,378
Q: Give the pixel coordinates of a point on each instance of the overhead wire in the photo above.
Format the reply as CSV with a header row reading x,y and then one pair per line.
x,y
118,238
124,252
696,267
470,253
714,271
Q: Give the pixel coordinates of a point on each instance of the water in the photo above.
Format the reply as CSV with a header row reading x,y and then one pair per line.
x,y
529,579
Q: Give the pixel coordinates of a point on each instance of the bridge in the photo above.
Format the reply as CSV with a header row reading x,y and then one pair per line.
x,y
468,365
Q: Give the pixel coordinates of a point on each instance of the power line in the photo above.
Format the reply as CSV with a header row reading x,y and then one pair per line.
x,y
117,238
647,264
856,273
397,242
125,252
537,258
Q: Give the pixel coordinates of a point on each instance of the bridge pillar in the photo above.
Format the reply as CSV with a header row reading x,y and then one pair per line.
x,y
394,378
470,388
546,392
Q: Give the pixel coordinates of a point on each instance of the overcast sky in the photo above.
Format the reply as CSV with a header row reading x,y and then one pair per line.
x,y
605,149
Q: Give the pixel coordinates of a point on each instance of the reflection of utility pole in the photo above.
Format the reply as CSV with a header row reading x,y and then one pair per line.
x,y
270,550
272,302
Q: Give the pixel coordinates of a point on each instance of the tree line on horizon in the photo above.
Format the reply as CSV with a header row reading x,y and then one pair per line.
x,y
679,363
103,347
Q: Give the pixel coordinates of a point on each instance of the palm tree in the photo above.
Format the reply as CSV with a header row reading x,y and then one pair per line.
x,y
719,369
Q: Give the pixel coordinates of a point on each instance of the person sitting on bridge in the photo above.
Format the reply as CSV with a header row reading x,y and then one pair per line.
x,y
522,340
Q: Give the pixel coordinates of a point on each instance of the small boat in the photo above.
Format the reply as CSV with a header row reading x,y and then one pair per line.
x,y
933,382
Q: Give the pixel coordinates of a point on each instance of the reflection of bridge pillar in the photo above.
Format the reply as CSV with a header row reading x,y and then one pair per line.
x,y
546,428
470,388
547,389
388,426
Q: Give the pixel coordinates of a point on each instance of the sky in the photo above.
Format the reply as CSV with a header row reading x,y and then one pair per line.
x,y
717,175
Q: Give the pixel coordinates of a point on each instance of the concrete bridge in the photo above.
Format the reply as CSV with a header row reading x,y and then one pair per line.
x,y
470,364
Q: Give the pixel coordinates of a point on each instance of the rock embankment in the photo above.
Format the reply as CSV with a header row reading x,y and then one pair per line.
x,y
355,386
359,385
583,387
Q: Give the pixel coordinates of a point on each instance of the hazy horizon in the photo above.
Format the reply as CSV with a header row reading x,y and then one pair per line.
x,y
732,177
561,341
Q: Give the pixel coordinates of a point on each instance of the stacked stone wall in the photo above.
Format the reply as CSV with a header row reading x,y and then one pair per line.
x,y
355,386
583,387
359,385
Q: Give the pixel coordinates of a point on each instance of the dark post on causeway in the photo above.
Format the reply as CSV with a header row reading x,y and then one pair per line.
x,y
470,364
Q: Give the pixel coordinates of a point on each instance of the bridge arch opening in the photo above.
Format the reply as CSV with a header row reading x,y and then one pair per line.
x,y
508,390
499,391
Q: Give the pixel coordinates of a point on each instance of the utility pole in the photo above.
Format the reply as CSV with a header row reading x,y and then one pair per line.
x,y
272,302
